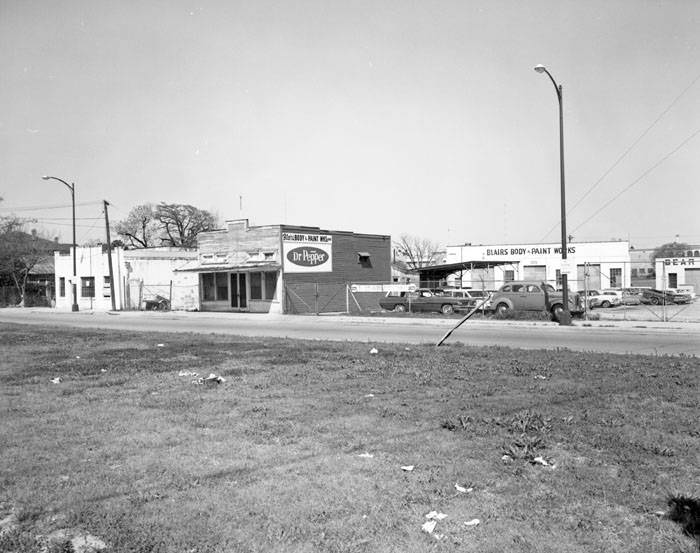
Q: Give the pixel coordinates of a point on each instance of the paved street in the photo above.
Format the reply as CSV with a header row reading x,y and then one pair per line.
x,y
599,336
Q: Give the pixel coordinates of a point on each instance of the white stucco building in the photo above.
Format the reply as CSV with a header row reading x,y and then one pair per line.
x,y
672,272
592,265
139,277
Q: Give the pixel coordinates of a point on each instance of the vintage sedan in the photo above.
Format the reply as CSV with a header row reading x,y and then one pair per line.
x,y
604,298
423,299
534,296
664,297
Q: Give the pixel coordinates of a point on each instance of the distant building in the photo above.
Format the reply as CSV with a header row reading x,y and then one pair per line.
x,y
591,265
142,277
286,268
672,272
642,271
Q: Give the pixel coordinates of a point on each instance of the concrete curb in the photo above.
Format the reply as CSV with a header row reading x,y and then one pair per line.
x,y
692,326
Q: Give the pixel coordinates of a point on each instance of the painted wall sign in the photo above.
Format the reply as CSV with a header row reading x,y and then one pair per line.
x,y
535,250
679,261
382,288
307,256
307,253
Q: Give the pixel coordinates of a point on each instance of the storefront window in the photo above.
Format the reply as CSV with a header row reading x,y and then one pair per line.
x,y
221,286
256,286
208,288
62,287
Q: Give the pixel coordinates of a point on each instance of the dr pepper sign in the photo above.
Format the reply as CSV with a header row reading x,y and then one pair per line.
x,y
307,253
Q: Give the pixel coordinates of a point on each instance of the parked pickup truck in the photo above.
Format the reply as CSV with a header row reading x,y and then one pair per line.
x,y
534,296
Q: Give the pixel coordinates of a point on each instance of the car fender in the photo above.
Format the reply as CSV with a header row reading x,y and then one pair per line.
x,y
496,301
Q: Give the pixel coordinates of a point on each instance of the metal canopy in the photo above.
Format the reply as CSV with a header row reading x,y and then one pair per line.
x,y
438,272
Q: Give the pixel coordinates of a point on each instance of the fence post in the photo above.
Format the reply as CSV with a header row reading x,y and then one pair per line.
x,y
170,296
316,297
347,298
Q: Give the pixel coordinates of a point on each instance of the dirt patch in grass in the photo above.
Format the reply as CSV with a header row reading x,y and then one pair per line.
x,y
302,447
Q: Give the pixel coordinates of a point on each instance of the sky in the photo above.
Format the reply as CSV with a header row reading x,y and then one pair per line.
x,y
390,117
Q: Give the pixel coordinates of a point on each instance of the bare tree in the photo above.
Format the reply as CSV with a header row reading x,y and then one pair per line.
x,y
181,223
141,229
417,252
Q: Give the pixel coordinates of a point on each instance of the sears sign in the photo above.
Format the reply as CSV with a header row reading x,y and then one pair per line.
x,y
307,253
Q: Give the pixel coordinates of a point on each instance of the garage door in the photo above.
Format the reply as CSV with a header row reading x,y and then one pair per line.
x,y
535,272
593,280
692,276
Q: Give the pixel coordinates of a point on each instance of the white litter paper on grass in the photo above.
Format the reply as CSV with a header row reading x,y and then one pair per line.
x,y
542,461
408,468
473,522
366,455
187,373
434,515
429,526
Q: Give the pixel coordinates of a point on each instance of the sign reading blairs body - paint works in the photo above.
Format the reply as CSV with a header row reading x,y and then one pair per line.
x,y
307,253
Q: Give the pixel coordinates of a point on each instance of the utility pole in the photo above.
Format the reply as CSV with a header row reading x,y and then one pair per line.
x,y
109,259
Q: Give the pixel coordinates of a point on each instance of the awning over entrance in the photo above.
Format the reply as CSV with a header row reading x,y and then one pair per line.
x,y
441,272
231,267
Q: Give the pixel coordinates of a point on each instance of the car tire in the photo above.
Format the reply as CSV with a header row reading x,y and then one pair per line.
x,y
399,308
447,309
654,301
502,308
605,304
556,311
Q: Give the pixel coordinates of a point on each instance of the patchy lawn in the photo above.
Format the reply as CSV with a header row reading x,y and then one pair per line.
x,y
302,448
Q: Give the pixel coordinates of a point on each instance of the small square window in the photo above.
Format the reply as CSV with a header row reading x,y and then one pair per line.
x,y
364,259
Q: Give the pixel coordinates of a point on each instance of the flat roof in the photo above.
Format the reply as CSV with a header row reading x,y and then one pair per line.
x,y
449,268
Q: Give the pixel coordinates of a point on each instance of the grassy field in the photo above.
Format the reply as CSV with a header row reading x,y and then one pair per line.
x,y
302,448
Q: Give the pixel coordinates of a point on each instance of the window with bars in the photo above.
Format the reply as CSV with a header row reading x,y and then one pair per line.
x,y
87,287
615,278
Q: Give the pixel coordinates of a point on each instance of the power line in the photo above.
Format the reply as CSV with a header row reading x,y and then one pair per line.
x,y
606,204
624,154
65,218
40,208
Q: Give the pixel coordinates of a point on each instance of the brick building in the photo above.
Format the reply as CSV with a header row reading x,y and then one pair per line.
x,y
286,268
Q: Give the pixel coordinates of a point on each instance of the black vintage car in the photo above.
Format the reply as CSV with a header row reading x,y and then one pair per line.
x,y
423,299
663,297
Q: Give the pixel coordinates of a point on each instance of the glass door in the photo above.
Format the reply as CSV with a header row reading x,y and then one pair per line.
x,y
239,296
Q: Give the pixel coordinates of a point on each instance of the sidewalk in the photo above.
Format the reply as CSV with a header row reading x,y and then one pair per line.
x,y
609,318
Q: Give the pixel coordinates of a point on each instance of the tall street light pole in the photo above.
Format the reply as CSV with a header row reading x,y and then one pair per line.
x,y
71,187
565,316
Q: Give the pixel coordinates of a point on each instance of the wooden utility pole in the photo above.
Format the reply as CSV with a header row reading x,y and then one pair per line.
x,y
109,259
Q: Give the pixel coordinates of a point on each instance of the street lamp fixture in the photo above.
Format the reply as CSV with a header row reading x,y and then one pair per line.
x,y
71,187
565,316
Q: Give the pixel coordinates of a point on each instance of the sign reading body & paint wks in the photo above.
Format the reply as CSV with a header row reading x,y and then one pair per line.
x,y
307,253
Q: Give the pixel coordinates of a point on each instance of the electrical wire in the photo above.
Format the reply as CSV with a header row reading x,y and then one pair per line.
x,y
606,204
625,153
40,208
